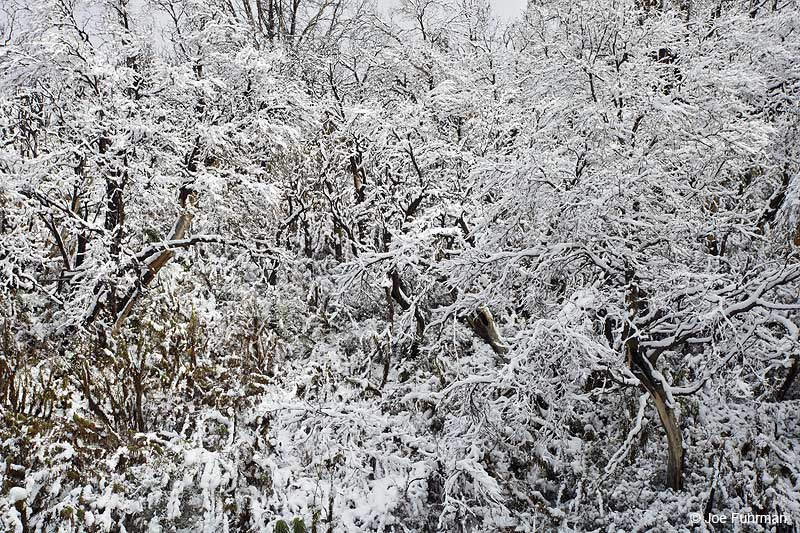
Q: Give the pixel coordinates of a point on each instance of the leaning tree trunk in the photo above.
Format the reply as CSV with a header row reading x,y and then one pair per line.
x,y
186,199
652,381
643,370
483,324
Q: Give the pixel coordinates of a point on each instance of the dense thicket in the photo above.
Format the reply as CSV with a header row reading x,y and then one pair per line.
x,y
270,264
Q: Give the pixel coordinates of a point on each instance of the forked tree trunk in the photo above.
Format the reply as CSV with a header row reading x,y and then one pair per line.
x,y
644,371
186,199
483,324
642,368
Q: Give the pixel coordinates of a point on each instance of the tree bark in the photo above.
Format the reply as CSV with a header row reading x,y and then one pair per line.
x,y
186,199
482,323
644,371
653,383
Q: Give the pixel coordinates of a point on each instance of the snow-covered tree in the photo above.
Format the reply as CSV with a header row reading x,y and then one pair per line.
x,y
319,266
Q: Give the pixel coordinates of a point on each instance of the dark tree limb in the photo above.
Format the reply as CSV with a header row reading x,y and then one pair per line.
x,y
653,382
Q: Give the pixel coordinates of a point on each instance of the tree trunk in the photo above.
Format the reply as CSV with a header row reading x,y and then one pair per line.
x,y
186,199
482,323
653,383
644,371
